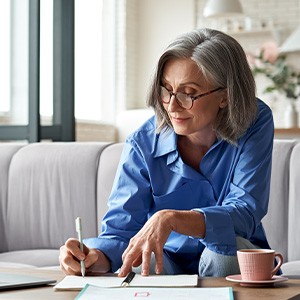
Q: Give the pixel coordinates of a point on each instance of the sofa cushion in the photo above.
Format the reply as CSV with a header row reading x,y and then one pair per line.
x,y
9,265
30,258
50,184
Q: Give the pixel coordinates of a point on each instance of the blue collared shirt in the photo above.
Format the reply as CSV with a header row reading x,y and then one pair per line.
x,y
231,190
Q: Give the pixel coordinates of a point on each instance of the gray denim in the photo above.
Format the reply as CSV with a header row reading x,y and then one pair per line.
x,y
211,264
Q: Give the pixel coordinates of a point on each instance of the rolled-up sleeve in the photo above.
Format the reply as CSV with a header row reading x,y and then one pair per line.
x,y
245,201
128,203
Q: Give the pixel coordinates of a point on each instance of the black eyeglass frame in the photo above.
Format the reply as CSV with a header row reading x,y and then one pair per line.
x,y
193,98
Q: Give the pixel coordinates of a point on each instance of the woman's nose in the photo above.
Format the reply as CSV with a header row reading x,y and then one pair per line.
x,y
173,105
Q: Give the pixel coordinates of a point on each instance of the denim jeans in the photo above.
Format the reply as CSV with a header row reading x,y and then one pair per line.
x,y
211,264
217,265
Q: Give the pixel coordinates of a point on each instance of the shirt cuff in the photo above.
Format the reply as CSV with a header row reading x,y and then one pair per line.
x,y
112,248
220,236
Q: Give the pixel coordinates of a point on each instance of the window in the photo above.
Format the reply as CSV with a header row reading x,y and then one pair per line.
x,y
5,56
88,60
58,82
14,60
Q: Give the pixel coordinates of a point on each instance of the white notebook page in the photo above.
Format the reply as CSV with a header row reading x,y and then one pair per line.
x,y
78,282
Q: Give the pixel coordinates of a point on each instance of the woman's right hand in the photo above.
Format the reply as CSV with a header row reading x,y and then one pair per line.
x,y
70,256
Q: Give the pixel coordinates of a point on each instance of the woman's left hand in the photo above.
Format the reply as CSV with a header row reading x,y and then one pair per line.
x,y
151,238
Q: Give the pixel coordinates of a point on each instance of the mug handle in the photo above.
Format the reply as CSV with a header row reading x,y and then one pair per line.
x,y
279,264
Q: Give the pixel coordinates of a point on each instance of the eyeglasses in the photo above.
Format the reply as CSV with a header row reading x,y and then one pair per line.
x,y
183,100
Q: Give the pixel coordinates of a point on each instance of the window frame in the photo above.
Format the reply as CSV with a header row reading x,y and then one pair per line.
x,y
63,128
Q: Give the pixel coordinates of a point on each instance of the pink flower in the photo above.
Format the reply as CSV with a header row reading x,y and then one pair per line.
x,y
270,51
254,61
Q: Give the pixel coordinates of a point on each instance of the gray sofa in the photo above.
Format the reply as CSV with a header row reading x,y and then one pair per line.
x,y
45,186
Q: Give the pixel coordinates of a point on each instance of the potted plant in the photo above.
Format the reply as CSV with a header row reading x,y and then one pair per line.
x,y
283,78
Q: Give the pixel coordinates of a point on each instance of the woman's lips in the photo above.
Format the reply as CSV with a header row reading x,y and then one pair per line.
x,y
179,119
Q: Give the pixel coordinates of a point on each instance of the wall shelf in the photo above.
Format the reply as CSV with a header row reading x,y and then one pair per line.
x,y
268,32
287,133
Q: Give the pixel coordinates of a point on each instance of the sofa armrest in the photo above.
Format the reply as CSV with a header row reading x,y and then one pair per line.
x,y
108,164
294,206
276,220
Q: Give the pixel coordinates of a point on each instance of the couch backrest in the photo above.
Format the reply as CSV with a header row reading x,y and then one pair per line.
x,y
50,184
60,181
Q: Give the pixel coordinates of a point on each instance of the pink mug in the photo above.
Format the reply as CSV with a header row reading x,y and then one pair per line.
x,y
258,264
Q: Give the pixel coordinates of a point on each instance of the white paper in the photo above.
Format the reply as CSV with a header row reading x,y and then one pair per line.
x,y
92,292
79,282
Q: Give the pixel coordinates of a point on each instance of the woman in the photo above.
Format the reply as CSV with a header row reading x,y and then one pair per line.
x,y
193,182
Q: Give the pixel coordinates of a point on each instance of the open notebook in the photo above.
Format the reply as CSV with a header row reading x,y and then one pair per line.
x,y
12,281
78,282
214,293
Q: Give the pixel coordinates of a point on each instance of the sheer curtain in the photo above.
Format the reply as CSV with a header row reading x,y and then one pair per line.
x,y
105,53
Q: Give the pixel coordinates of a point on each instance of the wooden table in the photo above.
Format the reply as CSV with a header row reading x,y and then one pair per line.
x,y
284,290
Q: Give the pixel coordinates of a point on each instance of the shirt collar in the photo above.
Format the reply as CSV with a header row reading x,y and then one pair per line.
x,y
166,143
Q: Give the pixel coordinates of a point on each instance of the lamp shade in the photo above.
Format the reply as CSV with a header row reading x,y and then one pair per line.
x,y
222,8
292,43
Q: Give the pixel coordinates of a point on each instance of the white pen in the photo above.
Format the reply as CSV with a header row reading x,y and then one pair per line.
x,y
79,232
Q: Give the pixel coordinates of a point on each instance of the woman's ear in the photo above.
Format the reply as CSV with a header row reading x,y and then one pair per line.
x,y
223,102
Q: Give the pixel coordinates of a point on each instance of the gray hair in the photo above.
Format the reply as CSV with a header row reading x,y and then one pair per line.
x,y
223,62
